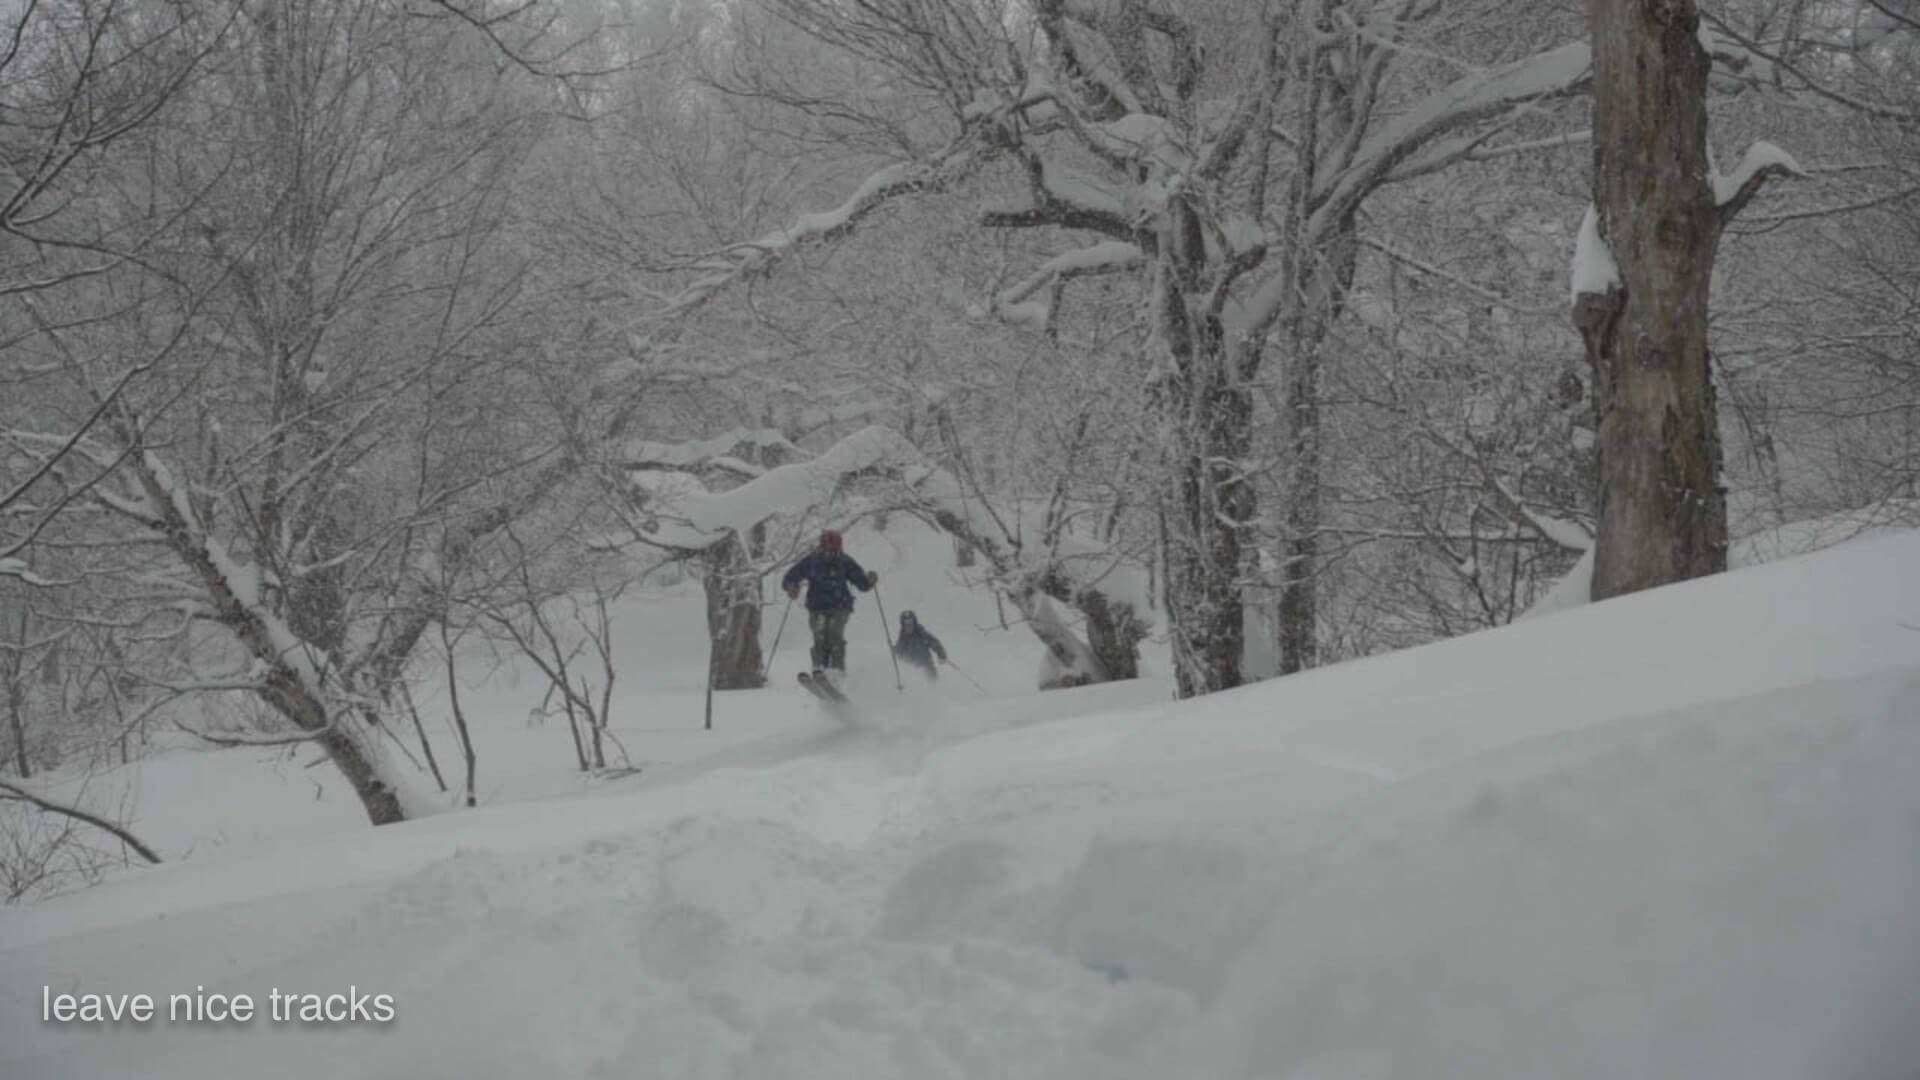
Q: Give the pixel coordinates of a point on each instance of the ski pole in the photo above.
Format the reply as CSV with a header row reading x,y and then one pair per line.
x,y
710,660
784,612
881,610
964,675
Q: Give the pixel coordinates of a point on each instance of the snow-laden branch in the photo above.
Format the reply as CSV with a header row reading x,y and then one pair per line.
x,y
1103,258
1474,147
1391,148
1530,146
692,518
1762,161
1562,532
1742,56
18,571
1414,262
1082,57
845,413
1568,534
232,588
1832,210
1483,94
236,738
1078,191
684,516
1067,199
1143,138
1075,564
732,451
736,262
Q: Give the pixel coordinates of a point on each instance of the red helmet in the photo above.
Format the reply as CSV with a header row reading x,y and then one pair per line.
x,y
830,540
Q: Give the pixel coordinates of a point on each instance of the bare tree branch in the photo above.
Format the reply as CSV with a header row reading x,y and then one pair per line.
x,y
22,794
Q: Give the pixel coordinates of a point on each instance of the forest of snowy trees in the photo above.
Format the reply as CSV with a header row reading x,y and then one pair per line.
x,y
1284,331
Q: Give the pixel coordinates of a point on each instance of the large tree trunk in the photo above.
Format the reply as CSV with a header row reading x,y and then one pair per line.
x,y
1326,275
377,796
1206,403
345,742
1663,515
733,616
1298,595
1212,504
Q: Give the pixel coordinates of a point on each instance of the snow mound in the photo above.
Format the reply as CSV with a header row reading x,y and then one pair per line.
x,y
1762,546
1670,835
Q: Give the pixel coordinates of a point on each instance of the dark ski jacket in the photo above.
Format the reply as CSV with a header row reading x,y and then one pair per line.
x,y
827,577
919,646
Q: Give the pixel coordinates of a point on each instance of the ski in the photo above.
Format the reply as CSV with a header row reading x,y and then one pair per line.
x,y
822,689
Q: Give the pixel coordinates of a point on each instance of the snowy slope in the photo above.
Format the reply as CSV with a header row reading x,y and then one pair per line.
x,y
1754,548
194,803
1668,835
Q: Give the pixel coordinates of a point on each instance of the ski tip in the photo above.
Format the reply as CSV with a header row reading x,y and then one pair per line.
x,y
822,688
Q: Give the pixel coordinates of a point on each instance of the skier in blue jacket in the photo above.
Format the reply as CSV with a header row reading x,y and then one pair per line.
x,y
917,645
827,571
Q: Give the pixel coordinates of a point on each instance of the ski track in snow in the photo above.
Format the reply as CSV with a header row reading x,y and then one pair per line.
x,y
1664,836
732,942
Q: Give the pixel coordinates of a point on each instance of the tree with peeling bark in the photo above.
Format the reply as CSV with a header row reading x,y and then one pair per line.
x,y
1220,165
1642,277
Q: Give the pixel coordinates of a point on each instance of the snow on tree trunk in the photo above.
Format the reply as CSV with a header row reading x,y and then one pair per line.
x,y
1663,513
1068,661
289,681
1323,292
733,615
378,794
1115,625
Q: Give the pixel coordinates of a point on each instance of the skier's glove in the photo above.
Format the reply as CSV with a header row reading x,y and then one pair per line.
x,y
793,592
873,578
